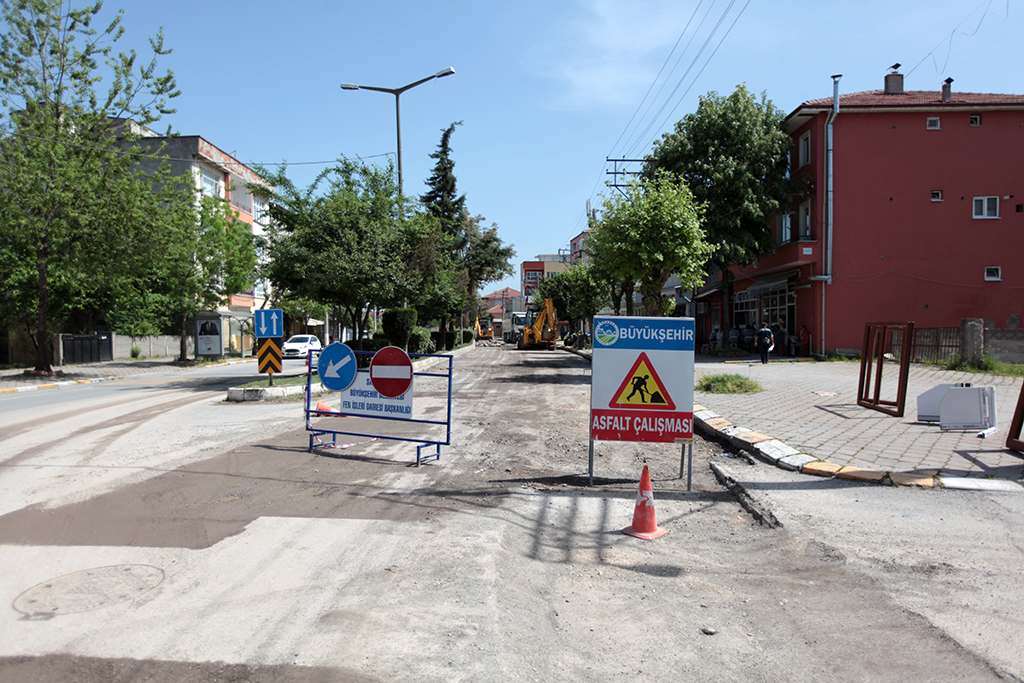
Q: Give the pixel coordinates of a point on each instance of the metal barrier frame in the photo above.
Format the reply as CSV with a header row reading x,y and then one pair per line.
x,y
876,337
315,432
1013,440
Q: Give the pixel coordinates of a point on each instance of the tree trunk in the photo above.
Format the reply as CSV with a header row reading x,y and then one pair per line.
x,y
43,362
183,348
727,283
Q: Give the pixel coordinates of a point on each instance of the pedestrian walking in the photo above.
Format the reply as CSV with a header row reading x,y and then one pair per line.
x,y
764,341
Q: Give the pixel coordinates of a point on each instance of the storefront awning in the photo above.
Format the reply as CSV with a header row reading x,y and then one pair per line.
x,y
772,283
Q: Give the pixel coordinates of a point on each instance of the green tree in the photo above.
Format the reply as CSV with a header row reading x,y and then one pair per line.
x,y
448,207
733,154
576,293
487,258
473,255
442,199
210,255
73,204
344,244
647,235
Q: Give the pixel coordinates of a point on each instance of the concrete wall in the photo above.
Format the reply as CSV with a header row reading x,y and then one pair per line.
x,y
1005,345
163,346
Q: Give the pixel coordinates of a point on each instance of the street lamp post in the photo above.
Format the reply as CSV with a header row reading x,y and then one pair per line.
x,y
398,109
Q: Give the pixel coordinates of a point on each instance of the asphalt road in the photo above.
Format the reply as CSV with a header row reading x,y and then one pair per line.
x,y
151,531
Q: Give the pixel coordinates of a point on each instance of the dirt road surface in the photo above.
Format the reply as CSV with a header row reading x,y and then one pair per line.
x,y
170,536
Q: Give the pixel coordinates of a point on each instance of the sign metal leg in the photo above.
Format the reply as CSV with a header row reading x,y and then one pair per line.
x,y
590,470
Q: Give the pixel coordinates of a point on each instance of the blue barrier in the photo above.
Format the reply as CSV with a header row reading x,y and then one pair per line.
x,y
316,432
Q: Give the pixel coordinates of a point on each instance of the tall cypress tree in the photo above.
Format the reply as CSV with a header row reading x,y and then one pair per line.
x,y
442,199
444,202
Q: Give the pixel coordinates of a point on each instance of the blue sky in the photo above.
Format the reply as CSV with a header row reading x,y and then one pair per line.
x,y
546,89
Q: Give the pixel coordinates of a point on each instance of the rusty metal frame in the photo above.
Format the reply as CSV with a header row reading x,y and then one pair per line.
x,y
876,337
1013,438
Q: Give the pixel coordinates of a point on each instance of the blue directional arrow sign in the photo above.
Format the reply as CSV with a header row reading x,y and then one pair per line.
x,y
269,322
337,367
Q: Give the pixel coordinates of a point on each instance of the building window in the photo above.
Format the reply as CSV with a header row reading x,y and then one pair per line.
x,y
785,229
210,184
975,119
936,195
986,207
779,309
744,311
804,228
805,149
260,213
933,123
993,273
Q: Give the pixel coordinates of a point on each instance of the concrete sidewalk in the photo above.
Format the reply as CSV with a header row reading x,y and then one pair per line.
x,y
807,419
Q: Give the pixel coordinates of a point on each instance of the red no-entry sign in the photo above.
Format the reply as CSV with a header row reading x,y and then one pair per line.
x,y
391,372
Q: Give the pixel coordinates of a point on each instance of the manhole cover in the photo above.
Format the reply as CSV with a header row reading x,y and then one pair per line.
x,y
88,589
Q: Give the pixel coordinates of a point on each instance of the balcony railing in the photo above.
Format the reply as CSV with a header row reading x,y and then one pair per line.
x,y
792,239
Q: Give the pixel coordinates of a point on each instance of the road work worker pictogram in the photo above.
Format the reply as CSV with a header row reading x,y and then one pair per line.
x,y
642,388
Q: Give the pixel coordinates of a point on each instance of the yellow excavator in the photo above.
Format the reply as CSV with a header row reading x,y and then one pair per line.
x,y
541,329
482,334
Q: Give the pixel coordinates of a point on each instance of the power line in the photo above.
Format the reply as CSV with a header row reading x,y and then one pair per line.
x,y
949,39
642,137
660,71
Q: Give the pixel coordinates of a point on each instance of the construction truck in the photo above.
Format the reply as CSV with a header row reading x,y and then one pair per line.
x,y
541,328
517,321
482,334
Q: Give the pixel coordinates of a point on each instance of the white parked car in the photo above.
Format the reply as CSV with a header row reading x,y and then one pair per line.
x,y
300,345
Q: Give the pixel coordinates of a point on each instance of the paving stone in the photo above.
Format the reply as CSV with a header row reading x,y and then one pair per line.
x,y
717,422
706,415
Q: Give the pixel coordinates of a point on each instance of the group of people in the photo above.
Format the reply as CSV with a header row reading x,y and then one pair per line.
x,y
762,340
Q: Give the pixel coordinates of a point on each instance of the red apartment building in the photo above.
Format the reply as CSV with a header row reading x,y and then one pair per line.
x,y
914,212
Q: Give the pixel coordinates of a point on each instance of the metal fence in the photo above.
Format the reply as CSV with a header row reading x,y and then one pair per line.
x,y
929,344
86,348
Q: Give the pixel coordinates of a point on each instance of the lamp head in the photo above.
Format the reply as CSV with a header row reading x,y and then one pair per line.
x,y
444,72
349,86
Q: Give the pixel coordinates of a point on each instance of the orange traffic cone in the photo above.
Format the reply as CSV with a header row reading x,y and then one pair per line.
x,y
645,525
322,407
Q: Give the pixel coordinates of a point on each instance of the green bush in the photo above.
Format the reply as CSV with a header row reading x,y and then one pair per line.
x,y
398,324
449,340
468,336
419,340
728,384
136,352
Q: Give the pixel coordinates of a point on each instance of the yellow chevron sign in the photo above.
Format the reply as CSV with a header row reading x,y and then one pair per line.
x,y
270,356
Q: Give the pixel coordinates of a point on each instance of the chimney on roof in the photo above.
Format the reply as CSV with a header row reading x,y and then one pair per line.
x,y
894,81
947,90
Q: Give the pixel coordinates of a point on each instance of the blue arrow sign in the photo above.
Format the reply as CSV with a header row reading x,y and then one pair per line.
x,y
269,322
337,367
